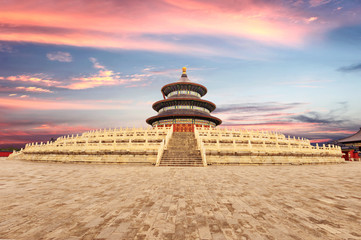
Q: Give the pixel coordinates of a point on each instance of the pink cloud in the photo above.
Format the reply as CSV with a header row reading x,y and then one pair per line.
x,y
316,3
14,132
49,129
56,104
38,134
43,126
320,140
333,131
123,24
12,142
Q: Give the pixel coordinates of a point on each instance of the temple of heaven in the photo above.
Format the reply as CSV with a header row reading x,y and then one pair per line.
x,y
183,107
183,133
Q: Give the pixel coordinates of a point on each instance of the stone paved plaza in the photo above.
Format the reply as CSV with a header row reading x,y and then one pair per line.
x,y
80,201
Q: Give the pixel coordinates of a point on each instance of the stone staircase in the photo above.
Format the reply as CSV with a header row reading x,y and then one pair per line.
x,y
182,151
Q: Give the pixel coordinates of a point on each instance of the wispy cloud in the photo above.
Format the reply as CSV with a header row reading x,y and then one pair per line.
x,y
34,89
263,115
322,140
43,132
289,118
311,19
5,48
333,117
59,56
96,64
351,68
314,117
307,83
103,77
316,3
106,77
36,78
256,107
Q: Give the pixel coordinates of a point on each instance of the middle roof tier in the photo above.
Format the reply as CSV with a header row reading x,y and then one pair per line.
x,y
184,102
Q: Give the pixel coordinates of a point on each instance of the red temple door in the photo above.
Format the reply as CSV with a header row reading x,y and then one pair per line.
x,y
183,128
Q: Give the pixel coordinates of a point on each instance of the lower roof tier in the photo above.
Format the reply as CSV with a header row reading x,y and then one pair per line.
x,y
173,117
178,121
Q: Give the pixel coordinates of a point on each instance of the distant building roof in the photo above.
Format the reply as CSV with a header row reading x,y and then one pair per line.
x,y
354,138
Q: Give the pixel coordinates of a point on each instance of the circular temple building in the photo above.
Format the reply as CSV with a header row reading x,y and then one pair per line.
x,y
184,133
183,107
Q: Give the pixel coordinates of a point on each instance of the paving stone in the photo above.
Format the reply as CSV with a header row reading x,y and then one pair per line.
x,y
88,201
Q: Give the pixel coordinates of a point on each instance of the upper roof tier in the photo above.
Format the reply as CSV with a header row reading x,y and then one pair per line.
x,y
184,84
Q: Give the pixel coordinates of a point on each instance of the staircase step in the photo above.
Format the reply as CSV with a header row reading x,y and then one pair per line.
x,y
189,162
182,151
183,160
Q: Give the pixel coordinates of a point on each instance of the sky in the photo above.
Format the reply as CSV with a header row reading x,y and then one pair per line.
x,y
69,66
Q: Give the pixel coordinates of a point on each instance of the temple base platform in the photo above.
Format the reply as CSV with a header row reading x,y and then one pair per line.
x,y
164,146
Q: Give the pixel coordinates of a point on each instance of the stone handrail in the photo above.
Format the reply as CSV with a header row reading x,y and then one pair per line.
x,y
200,147
84,141
160,153
169,135
163,146
221,140
15,153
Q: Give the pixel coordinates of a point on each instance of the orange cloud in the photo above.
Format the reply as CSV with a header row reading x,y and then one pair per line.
x,y
311,19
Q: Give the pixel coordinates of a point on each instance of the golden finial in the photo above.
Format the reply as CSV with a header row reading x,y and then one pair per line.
x,y
184,70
